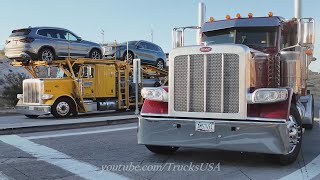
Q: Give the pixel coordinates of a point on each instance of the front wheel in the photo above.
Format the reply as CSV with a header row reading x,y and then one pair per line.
x,y
162,149
62,108
295,137
160,64
129,58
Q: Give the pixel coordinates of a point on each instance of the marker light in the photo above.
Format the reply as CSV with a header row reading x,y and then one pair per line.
x,y
270,14
20,96
309,52
250,15
228,17
268,95
155,94
211,19
238,15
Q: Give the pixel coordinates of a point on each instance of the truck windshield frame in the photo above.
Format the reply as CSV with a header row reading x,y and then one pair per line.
x,y
253,37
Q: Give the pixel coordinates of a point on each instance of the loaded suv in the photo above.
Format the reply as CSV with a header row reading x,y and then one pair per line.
x,y
148,52
49,43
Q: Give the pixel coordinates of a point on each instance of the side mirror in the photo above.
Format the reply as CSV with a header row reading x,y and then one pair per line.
x,y
79,39
177,38
306,32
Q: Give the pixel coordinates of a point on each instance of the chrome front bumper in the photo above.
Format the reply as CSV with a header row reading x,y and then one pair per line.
x,y
245,136
33,110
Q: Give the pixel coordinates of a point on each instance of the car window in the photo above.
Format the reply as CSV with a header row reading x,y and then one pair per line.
x,y
20,32
143,45
50,33
153,47
64,35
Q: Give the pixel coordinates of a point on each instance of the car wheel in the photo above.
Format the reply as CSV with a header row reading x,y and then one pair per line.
x,y
160,64
32,116
62,108
46,54
162,149
295,137
128,58
95,54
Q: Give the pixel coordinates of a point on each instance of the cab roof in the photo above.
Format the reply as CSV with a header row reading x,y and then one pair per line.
x,y
242,22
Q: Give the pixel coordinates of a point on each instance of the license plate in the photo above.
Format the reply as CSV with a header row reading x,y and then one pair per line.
x,y
202,126
31,108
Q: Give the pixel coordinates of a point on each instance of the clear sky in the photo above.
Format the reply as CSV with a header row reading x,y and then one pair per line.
x,y
124,20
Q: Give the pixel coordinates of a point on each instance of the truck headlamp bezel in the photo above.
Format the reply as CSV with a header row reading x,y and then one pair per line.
x,y
268,95
155,94
46,96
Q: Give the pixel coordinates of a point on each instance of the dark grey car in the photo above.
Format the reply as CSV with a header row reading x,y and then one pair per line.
x,y
148,52
49,43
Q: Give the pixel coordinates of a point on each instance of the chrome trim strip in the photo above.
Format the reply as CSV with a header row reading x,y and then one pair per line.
x,y
188,85
222,84
248,120
205,83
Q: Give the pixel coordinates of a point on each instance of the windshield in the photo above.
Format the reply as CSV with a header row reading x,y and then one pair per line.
x,y
130,43
253,37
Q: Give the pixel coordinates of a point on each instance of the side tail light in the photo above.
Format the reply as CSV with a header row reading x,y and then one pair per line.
x,y
27,40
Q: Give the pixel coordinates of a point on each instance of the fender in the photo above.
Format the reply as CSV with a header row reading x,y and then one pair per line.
x,y
280,110
51,101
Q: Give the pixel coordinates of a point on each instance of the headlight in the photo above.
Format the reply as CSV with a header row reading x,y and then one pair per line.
x,y
20,96
155,94
268,96
46,96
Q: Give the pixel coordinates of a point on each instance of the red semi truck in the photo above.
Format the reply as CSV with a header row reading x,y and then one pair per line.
x,y
243,89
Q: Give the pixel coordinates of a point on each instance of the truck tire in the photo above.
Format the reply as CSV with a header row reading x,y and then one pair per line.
x,y
310,126
63,107
162,149
32,116
295,137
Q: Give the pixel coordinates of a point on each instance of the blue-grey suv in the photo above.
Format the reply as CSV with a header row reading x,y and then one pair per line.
x,y
49,43
148,52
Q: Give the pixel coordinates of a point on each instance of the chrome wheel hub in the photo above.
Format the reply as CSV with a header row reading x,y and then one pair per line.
x,y
47,55
160,65
129,58
96,55
63,108
294,133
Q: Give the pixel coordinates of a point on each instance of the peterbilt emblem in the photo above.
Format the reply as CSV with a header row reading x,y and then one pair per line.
x,y
205,49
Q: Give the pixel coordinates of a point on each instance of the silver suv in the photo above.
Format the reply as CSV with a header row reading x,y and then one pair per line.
x,y
47,44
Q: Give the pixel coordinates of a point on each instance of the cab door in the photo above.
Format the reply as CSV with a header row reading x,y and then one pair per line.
x,y
105,81
88,81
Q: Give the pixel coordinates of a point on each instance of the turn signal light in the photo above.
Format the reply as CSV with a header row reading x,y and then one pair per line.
x,y
238,15
228,17
211,19
270,14
309,52
250,15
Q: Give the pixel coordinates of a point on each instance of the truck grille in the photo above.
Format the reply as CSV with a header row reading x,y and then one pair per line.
x,y
31,91
209,84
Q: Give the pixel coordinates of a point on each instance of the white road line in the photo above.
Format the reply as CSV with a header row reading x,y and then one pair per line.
x,y
307,172
4,177
79,133
59,159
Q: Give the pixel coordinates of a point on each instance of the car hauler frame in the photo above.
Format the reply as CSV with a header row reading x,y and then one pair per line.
x,y
85,85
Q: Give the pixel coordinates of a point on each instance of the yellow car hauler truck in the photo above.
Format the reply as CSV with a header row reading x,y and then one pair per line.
x,y
81,86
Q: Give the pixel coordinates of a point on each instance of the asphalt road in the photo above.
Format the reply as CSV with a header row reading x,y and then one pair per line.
x,y
97,153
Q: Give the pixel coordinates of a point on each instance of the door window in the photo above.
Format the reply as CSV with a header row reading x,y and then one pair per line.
x,y
64,35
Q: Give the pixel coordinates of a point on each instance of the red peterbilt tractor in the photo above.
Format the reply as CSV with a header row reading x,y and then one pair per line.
x,y
243,89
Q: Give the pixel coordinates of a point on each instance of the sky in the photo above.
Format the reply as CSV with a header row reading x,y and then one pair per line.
x,y
124,20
